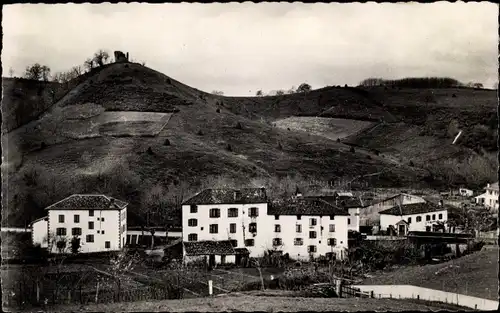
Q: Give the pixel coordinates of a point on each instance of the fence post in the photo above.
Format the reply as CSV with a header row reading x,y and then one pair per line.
x,y
210,288
97,292
371,294
37,292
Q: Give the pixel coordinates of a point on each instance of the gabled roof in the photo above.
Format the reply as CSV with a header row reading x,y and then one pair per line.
x,y
342,202
304,206
229,196
402,222
88,202
223,247
414,208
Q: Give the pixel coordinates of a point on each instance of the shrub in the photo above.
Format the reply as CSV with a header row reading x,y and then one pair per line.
x,y
217,110
200,133
167,142
288,128
352,150
376,152
150,151
280,147
238,126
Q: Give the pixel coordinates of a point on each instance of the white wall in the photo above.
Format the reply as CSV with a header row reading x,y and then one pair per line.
x,y
354,217
491,199
386,220
369,215
263,239
110,226
39,232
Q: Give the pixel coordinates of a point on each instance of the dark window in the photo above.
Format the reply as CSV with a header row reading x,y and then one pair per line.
x,y
102,232
298,228
90,238
192,222
298,241
332,242
433,217
277,228
254,212
440,216
214,228
107,244
193,208
277,242
299,217
234,243
61,231
232,228
332,217
61,218
91,225
311,249
98,219
312,234
419,218
252,227
91,212
76,218
249,242
193,237
214,213
348,221
102,219
313,222
427,217
232,212
409,220
332,228
276,217
98,231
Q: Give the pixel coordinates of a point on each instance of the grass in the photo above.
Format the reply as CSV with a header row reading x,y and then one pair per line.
x,y
242,303
474,275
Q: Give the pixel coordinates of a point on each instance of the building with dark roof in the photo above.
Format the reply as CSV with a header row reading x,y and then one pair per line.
x,y
98,221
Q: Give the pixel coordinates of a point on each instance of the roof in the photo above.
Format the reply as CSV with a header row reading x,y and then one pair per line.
x,y
304,206
88,202
493,186
241,251
229,196
223,247
414,208
342,202
402,222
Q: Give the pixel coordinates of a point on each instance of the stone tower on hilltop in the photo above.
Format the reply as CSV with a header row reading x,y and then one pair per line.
x,y
120,57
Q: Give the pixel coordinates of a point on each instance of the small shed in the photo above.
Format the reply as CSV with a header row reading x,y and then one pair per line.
x,y
210,252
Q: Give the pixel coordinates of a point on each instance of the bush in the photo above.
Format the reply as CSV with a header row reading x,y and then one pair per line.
x,y
217,110
238,126
200,133
167,142
369,157
352,150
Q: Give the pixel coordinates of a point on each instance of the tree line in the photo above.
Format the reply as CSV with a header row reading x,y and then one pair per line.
x,y
303,88
419,82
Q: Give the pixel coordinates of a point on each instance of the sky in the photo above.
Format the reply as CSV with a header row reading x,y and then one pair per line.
x,y
239,48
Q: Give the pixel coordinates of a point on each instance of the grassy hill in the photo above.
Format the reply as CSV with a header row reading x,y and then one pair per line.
x,y
89,141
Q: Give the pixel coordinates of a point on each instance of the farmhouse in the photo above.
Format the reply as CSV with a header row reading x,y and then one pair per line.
x,y
98,221
414,217
490,197
299,227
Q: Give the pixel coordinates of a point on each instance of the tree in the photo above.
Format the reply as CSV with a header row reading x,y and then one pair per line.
x,y
75,245
100,57
11,72
280,92
218,92
88,64
259,93
304,87
291,90
37,72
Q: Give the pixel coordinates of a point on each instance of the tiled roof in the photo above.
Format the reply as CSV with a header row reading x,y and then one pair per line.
x,y
304,206
229,196
88,202
223,247
343,202
241,251
414,208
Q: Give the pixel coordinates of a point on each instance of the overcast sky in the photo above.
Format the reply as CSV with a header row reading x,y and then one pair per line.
x,y
241,48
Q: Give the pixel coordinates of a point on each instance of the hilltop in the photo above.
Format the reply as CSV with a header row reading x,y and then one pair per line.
x,y
127,130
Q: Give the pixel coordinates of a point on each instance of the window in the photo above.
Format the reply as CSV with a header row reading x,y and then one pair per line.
x,y
277,228
440,216
298,228
192,222
276,217
98,231
249,242
102,219
107,244
409,220
61,218
76,218
232,212
433,217
419,218
311,249
61,231
252,227
102,232
277,242
332,217
348,221
332,242
232,228
98,219
91,225
298,241
312,234
89,238
193,209
299,217
214,213
214,228
312,222
254,212
91,212
193,237
234,243
427,217
332,228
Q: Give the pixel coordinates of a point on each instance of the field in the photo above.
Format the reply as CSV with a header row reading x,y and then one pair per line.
x,y
474,275
331,128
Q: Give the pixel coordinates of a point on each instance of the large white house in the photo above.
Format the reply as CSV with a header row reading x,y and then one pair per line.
x,y
299,227
100,222
490,198
424,216
369,212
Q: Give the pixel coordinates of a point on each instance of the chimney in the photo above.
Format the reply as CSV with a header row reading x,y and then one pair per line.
x,y
488,186
440,202
263,191
127,55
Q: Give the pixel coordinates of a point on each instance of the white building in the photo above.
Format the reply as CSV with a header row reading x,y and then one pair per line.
x,y
490,198
369,213
464,192
414,217
298,227
100,222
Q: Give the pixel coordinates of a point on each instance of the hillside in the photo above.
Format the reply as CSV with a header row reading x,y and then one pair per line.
x,y
126,130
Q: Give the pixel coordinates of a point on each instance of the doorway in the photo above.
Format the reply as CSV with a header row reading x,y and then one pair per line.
x,y
402,230
211,260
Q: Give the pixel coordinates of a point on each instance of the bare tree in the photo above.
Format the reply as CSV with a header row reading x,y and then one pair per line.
x,y
37,72
218,92
259,93
11,72
280,92
88,64
100,57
